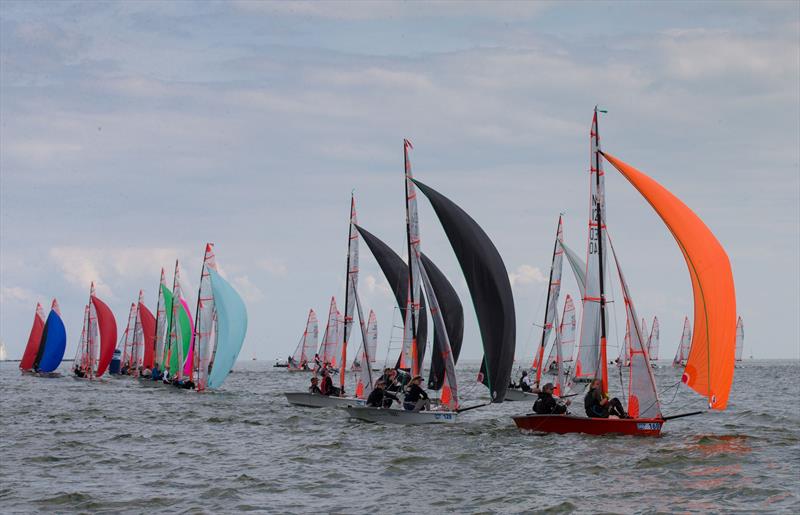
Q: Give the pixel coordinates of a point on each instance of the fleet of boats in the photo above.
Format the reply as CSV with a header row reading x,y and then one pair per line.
x,y
196,348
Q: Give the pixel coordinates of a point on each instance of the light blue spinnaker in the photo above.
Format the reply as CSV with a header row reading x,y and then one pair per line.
x,y
54,343
231,328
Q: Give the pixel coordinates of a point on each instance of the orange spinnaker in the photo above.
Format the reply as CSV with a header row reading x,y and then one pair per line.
x,y
709,368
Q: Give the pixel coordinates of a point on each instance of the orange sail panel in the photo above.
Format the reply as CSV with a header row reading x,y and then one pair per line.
x,y
709,368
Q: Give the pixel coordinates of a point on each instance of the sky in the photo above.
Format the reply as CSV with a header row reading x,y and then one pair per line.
x,y
132,133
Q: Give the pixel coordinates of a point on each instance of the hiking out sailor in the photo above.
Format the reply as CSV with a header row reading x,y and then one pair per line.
x,y
416,399
379,397
598,405
546,404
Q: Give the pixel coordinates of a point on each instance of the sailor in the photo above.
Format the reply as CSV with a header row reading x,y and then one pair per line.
x,y
525,381
314,388
547,404
317,362
327,387
416,399
380,398
155,374
598,405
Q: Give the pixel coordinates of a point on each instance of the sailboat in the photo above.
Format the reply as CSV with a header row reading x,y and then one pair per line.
x,y
46,343
98,339
682,353
34,340
139,340
739,339
180,335
372,341
709,368
487,280
338,332
551,306
220,327
306,345
653,343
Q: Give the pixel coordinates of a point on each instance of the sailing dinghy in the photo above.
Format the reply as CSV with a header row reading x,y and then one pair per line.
x,y
739,339
682,353
26,364
487,280
306,345
98,339
338,332
709,368
46,343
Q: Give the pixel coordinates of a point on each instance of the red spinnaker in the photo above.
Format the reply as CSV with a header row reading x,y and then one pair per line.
x,y
148,322
107,327
34,340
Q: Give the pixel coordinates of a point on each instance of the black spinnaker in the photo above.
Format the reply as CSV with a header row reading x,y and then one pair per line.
x,y
396,273
489,287
453,315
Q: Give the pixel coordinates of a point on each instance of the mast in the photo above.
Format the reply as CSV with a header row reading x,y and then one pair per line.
x,y
545,326
410,304
352,261
171,325
600,222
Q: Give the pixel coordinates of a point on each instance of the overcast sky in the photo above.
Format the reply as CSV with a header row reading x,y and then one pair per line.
x,y
133,133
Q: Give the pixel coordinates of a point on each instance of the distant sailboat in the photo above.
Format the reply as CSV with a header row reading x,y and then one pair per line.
x,y
50,347
739,338
654,342
34,340
220,327
682,353
306,346
98,339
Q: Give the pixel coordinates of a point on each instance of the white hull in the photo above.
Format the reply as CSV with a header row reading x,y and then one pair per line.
x,y
399,416
512,394
310,400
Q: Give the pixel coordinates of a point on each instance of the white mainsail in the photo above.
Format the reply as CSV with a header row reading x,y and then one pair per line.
x,y
161,323
350,288
308,342
566,336
552,299
654,341
92,337
205,339
127,337
409,358
590,362
137,347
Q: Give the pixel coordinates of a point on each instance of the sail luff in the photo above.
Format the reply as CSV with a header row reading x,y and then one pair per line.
x,y
350,288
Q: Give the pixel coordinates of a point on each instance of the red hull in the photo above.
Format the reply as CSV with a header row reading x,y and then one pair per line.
x,y
563,424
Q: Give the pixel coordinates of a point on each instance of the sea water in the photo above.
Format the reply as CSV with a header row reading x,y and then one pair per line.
x,y
118,446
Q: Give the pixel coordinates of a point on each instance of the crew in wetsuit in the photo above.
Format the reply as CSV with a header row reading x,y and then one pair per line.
x,y
380,398
327,384
598,405
416,399
314,388
546,404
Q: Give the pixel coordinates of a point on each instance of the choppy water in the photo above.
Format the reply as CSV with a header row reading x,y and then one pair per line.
x,y
117,446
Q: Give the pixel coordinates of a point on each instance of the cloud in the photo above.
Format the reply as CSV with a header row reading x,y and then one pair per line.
x,y
82,265
273,266
526,274
18,294
248,290
374,285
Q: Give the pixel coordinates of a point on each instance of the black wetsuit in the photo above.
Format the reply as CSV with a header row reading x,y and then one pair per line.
x,y
596,410
380,398
546,404
414,393
314,389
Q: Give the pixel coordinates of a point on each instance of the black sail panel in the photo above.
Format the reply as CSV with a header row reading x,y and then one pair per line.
x,y
396,273
489,288
453,315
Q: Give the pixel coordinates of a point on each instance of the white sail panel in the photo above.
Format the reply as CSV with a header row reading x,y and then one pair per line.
x,y
409,359
92,337
330,340
685,344
161,322
127,338
352,285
